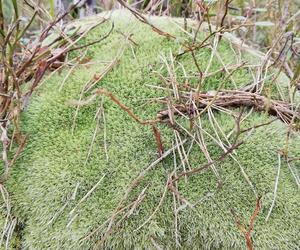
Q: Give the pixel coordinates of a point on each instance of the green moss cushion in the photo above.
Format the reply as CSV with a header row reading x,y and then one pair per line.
x,y
60,195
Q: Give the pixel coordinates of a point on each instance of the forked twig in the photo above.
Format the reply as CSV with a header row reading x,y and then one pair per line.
x,y
247,232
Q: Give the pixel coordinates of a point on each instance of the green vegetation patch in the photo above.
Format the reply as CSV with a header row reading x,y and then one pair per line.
x,y
51,183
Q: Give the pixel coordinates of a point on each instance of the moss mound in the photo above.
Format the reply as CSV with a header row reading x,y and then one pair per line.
x,y
50,184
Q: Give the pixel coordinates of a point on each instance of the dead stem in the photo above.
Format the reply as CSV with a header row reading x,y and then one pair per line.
x,y
294,173
275,188
157,136
87,194
98,117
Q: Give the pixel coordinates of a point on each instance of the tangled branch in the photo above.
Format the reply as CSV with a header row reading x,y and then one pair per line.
x,y
235,98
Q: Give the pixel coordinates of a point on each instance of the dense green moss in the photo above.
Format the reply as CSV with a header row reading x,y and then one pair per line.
x,y
51,176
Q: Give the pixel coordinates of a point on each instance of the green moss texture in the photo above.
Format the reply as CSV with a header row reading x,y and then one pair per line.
x,y
54,173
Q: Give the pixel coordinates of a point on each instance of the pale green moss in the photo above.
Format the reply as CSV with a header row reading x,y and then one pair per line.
x,y
52,166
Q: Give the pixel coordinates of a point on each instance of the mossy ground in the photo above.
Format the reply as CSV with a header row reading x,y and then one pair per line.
x,y
52,168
